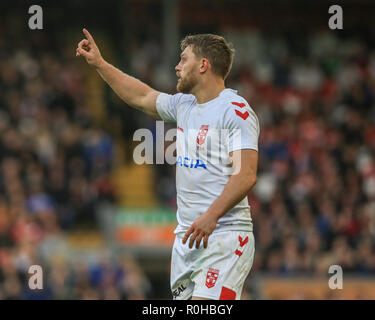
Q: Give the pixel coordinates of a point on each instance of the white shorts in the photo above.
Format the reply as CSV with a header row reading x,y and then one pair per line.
x,y
218,272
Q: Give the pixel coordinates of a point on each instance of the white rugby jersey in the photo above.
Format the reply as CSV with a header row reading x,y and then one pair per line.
x,y
206,134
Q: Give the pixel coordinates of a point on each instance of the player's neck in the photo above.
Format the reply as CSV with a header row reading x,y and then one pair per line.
x,y
209,91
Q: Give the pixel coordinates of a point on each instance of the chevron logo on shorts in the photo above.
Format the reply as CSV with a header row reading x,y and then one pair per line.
x,y
242,243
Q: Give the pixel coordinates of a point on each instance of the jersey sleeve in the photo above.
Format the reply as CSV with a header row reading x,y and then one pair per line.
x,y
242,128
166,106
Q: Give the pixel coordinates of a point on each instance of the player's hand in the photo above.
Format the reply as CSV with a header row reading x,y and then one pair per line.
x,y
201,228
89,50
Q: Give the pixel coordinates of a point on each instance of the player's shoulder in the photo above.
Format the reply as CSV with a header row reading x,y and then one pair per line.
x,y
236,110
230,99
182,98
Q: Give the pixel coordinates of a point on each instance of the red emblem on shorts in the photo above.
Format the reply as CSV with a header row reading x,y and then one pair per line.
x,y
211,279
201,138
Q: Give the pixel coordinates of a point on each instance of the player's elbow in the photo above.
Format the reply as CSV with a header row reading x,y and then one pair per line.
x,y
252,181
249,181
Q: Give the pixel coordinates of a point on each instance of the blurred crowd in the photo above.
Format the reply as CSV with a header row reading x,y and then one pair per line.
x,y
314,202
55,165
68,277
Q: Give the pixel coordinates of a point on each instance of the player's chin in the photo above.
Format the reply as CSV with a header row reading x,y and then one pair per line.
x,y
181,87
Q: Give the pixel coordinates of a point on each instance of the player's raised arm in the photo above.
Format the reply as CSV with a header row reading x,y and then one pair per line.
x,y
134,92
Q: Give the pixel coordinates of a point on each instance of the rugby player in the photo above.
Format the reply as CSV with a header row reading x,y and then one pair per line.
x,y
213,250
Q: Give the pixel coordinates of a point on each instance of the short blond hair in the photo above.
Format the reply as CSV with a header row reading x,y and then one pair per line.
x,y
215,48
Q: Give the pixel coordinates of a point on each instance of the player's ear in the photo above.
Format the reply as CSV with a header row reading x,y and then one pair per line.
x,y
204,65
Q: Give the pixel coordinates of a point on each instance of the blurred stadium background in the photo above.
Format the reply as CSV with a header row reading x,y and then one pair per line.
x,y
73,201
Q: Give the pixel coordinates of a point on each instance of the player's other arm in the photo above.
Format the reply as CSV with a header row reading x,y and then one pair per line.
x,y
134,92
245,164
243,179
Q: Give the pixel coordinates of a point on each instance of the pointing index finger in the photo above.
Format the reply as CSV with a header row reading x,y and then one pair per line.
x,y
88,35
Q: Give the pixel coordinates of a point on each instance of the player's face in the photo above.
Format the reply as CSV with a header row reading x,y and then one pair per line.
x,y
187,71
